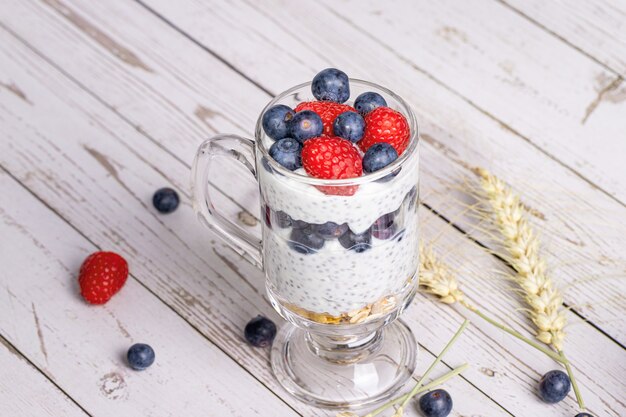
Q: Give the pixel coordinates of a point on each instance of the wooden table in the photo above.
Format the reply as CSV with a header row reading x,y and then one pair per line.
x,y
103,102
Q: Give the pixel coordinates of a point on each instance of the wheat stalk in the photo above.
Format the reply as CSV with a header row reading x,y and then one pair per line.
x,y
435,277
522,244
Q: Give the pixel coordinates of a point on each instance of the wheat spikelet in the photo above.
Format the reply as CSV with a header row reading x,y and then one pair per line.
x,y
437,279
523,246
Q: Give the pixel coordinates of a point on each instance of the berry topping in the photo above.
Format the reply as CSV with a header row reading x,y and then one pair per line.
x,y
305,124
331,85
330,230
165,200
554,386
304,240
140,356
356,242
327,110
379,156
349,125
283,220
276,121
332,158
385,125
384,227
286,152
368,101
260,331
437,403
101,276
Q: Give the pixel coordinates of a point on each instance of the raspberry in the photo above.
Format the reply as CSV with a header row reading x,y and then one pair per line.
x,y
327,111
385,125
332,158
101,276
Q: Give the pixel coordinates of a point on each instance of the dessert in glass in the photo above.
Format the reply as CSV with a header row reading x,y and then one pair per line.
x,y
338,180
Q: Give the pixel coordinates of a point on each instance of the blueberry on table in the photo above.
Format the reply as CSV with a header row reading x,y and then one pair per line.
x,y
140,356
276,121
331,84
165,200
304,240
287,152
349,125
330,230
357,242
260,331
583,415
306,124
554,386
368,101
437,403
379,156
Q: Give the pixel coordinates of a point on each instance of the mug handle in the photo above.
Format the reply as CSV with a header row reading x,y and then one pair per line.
x,y
235,148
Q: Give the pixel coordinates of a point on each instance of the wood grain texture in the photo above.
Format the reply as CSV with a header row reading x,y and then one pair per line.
x,y
596,27
176,276
24,391
213,290
586,246
82,348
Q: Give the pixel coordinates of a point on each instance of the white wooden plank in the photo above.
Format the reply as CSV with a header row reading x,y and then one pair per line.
x,y
503,64
457,136
24,391
434,338
597,27
479,277
82,347
165,260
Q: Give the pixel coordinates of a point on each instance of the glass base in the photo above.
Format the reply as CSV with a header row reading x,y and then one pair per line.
x,y
344,371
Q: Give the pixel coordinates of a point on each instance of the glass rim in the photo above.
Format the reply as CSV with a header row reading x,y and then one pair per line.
x,y
370,177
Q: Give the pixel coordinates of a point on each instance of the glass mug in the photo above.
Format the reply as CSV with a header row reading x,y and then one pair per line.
x,y
340,259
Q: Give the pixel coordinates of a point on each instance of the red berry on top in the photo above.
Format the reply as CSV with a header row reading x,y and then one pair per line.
x,y
327,110
332,158
386,125
101,276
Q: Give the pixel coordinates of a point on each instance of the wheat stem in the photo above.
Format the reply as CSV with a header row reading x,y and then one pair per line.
x,y
435,362
514,333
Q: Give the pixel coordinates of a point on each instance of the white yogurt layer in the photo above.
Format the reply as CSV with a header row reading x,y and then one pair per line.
x,y
335,280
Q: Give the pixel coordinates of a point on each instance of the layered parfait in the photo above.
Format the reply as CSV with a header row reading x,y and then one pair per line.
x,y
339,193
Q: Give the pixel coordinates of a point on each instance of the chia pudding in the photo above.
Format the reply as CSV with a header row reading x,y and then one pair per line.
x,y
333,251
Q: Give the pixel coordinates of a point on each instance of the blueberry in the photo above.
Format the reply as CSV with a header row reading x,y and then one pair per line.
x,y
349,125
368,101
260,331
268,216
554,386
411,196
437,403
140,356
276,121
306,124
304,240
330,230
283,220
384,227
356,242
331,85
583,415
379,156
165,200
287,152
